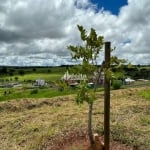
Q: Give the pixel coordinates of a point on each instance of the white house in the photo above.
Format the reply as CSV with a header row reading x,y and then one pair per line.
x,y
40,82
129,80
73,77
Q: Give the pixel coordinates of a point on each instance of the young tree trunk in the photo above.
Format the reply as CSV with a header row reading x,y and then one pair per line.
x,y
90,132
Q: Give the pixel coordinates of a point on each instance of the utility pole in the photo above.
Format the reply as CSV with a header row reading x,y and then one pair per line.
x,y
107,97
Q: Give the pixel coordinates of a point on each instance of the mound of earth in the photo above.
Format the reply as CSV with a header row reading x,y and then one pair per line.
x,y
77,139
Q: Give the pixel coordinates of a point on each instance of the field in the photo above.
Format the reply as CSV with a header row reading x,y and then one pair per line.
x,y
32,124
25,82
44,118
31,74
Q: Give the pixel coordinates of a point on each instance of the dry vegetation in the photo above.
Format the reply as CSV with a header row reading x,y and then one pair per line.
x,y
31,124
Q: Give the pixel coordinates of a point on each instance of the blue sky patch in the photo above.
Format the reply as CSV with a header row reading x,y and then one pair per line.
x,y
110,5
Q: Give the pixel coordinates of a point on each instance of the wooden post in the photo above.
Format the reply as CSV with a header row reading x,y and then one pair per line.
x,y
107,98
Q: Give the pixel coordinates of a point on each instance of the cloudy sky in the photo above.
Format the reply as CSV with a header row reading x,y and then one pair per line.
x,y
37,32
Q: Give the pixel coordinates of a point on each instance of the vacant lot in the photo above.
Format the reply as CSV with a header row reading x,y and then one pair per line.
x,y
31,124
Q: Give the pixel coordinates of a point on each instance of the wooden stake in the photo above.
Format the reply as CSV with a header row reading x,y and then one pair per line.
x,y
107,98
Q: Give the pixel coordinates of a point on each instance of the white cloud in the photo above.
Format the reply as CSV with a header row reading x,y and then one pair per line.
x,y
37,33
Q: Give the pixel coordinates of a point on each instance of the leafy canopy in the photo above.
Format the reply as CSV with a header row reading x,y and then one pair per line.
x,y
89,51
88,54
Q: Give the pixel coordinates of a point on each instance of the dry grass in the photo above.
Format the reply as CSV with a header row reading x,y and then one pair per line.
x,y
28,123
130,118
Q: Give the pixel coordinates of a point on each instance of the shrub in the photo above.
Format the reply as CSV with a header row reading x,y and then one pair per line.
x,y
16,78
116,84
21,72
34,91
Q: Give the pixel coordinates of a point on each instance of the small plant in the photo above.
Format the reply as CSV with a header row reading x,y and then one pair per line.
x,y
116,84
88,53
16,78
62,86
34,91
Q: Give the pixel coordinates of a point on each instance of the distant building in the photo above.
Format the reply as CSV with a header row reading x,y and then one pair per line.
x,y
40,82
73,78
129,80
76,78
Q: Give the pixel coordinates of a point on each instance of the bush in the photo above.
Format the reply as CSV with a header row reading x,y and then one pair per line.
x,y
60,89
35,91
116,84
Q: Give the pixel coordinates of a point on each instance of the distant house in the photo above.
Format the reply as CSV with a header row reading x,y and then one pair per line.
x,y
73,78
40,82
129,80
76,78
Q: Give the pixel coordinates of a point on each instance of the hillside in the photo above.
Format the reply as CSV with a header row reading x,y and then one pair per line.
x,y
31,124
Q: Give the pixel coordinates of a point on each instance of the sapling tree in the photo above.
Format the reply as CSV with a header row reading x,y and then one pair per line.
x,y
88,54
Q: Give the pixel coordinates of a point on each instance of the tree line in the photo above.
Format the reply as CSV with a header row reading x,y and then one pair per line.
x,y
135,72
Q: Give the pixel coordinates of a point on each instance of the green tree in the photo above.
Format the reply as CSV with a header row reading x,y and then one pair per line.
x,y
4,70
16,78
88,54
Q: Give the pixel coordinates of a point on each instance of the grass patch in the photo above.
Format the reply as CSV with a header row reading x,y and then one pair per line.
x,y
145,120
45,76
145,94
34,93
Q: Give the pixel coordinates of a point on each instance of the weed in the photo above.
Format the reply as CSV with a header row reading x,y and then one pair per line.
x,y
35,91
116,84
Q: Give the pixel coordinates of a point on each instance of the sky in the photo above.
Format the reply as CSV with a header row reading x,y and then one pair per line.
x,y
37,33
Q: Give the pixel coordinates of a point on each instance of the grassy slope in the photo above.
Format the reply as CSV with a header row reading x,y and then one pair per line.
x,y
28,123
53,73
27,93
34,76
